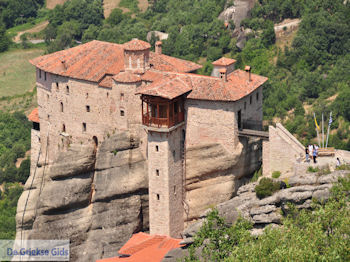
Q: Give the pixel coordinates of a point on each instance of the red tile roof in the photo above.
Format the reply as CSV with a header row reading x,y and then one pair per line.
x,y
136,45
168,63
106,81
166,88
224,61
235,88
143,247
93,60
127,77
34,116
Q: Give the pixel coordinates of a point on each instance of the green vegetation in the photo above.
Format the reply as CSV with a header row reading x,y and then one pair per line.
x,y
17,75
14,142
308,72
256,175
8,205
343,167
266,187
318,235
16,12
276,174
311,169
130,4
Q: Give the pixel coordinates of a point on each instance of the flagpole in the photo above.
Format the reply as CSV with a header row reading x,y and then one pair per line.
x,y
317,127
329,126
322,131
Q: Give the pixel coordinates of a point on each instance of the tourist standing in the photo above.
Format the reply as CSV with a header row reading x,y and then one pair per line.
x,y
314,153
338,162
310,150
307,154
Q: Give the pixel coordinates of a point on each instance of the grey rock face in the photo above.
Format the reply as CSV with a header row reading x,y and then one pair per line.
x,y
97,199
267,211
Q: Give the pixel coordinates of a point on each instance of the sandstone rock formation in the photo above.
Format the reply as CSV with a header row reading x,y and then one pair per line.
x,y
237,12
99,198
96,200
159,35
213,175
267,211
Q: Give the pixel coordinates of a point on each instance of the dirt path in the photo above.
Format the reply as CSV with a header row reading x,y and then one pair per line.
x,y
19,160
35,29
288,23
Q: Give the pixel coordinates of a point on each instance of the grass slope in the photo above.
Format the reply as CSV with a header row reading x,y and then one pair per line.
x,y
17,75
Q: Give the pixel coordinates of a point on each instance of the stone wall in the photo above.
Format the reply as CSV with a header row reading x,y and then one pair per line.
x,y
35,149
165,182
88,110
281,152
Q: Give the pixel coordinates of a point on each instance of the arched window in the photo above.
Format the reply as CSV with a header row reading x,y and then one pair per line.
x,y
63,128
67,90
61,107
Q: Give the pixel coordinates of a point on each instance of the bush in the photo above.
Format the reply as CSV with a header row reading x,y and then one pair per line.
x,y
343,167
276,174
311,169
266,187
256,175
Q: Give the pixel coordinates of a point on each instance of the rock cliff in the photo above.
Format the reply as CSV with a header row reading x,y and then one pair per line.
x,y
267,211
99,198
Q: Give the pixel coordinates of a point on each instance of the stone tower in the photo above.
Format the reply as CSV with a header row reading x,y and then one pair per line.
x,y
164,122
136,56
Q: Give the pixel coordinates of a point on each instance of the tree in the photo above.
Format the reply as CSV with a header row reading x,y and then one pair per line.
x,y
115,17
4,39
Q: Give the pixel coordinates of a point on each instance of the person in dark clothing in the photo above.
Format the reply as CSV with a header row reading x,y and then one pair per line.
x,y
314,154
307,154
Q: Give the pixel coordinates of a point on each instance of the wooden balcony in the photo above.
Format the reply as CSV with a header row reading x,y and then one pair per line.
x,y
148,120
162,113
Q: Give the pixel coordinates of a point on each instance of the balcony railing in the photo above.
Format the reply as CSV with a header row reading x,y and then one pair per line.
x,y
149,120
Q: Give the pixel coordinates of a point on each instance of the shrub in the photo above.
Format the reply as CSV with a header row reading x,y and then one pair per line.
x,y
256,175
266,187
311,169
276,174
343,167
324,171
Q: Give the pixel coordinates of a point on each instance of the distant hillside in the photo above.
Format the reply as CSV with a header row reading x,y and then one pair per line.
x,y
108,5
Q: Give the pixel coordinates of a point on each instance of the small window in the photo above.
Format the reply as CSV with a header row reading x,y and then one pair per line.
x,y
39,73
84,127
174,153
257,96
107,94
157,172
87,95
121,96
157,148
250,100
63,128
48,117
67,90
61,107
245,105
57,86
122,113
45,76
158,197
87,108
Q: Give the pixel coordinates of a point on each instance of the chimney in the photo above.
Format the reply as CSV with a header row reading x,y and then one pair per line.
x,y
158,47
248,69
223,74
